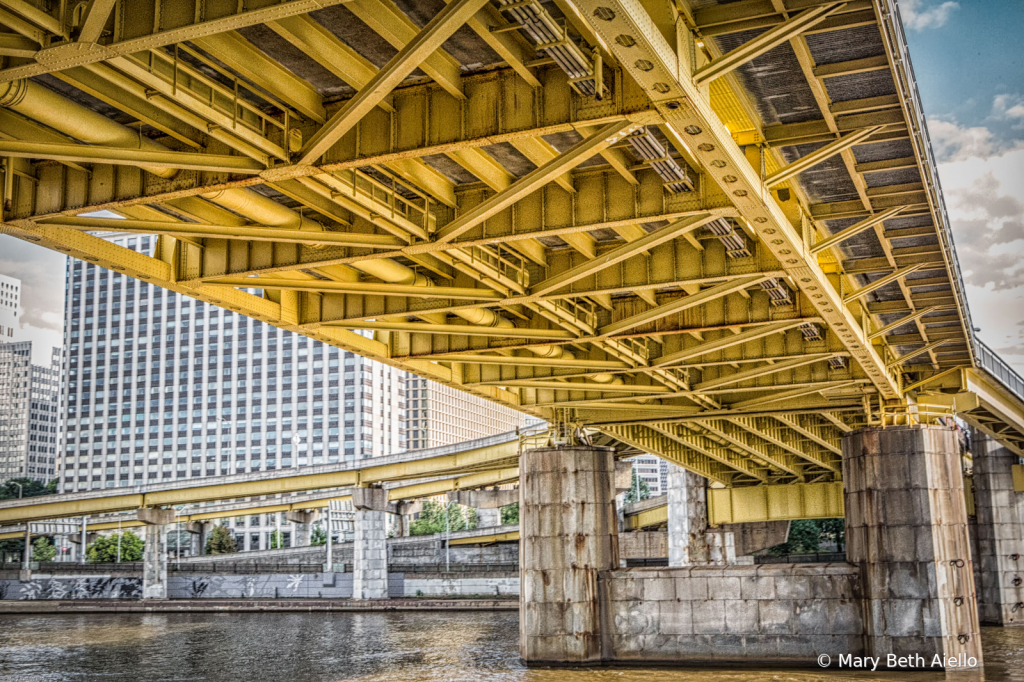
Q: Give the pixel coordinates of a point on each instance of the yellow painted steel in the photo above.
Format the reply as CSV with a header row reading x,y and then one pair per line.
x,y
1018,478
512,536
775,503
533,286
648,518
37,509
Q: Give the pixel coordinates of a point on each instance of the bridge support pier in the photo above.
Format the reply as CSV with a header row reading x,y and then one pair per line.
x,y
906,528
568,533
303,521
1000,533
154,555
488,504
689,542
370,550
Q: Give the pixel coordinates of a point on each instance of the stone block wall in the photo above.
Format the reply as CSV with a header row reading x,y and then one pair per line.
x,y
431,585
733,613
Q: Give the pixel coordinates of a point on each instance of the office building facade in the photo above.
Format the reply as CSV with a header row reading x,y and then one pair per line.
x,y
161,387
29,412
442,415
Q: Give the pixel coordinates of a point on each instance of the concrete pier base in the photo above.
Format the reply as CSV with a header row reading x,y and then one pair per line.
x,y
569,534
303,521
370,552
488,518
906,529
154,554
689,542
999,562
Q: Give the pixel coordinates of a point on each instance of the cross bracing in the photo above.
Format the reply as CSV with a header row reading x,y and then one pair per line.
x,y
592,210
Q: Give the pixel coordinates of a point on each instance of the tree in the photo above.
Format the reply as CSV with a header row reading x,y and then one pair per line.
x,y
510,514
104,549
43,550
318,536
637,485
834,530
276,540
11,550
804,538
431,519
221,541
30,488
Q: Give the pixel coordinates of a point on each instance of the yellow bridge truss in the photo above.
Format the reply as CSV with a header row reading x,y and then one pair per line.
x,y
595,211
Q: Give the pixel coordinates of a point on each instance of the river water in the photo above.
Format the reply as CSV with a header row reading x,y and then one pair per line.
x,y
360,647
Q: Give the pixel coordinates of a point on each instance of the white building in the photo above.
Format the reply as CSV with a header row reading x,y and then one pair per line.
x,y
442,415
160,387
653,471
28,413
10,309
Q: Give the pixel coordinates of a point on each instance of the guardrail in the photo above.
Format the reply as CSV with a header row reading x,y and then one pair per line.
x,y
989,361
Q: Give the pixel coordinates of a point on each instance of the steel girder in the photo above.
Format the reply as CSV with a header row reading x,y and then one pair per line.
x,y
499,231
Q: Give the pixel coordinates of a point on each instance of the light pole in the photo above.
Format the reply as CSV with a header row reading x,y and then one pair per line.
x,y
448,537
20,488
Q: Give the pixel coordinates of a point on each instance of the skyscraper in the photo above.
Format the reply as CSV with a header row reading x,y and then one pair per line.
x,y
10,308
442,415
159,386
28,397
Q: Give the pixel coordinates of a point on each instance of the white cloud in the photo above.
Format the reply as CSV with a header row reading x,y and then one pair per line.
x,y
41,272
1009,108
919,16
953,142
985,200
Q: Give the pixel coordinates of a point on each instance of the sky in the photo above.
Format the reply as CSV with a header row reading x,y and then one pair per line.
x,y
969,66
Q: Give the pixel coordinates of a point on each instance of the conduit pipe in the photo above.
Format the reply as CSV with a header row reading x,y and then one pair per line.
x,y
74,120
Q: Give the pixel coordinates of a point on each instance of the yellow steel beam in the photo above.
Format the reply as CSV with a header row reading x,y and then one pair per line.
x,y
130,157
763,43
793,423
681,304
392,24
762,370
856,229
649,518
817,156
902,360
253,233
411,56
882,281
510,536
775,503
150,37
727,341
628,250
656,66
400,468
457,329
372,288
94,18
580,152
989,406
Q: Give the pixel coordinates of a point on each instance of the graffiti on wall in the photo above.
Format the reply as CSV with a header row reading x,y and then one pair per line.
x,y
71,588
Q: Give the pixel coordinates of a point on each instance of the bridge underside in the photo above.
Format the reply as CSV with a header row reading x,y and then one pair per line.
x,y
711,230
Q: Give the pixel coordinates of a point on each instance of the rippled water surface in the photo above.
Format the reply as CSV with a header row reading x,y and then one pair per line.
x,y
370,647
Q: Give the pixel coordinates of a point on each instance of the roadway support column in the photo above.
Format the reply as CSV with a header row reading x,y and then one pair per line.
x,y
303,521
370,549
688,537
1000,533
568,534
488,504
906,528
154,554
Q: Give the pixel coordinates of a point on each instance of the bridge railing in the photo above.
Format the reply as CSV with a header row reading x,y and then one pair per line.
x,y
989,361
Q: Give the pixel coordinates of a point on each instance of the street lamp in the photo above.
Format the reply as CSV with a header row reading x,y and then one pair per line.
x,y
20,489
448,537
